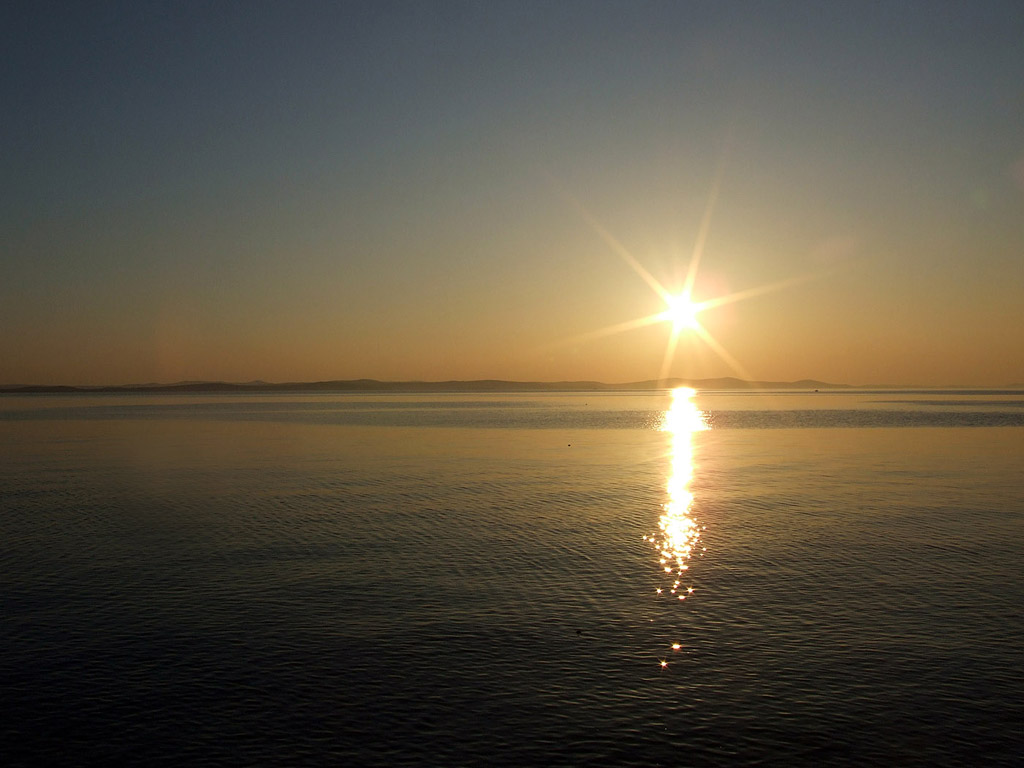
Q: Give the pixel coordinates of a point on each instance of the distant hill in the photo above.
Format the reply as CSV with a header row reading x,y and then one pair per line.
x,y
729,382
481,385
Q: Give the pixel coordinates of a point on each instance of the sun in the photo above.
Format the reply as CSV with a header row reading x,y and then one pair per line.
x,y
682,311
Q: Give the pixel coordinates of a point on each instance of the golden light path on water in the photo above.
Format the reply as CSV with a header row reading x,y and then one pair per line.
x,y
678,534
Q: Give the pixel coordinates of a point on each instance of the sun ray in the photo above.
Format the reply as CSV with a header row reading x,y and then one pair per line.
x,y
670,353
629,325
756,291
615,245
709,210
702,233
722,353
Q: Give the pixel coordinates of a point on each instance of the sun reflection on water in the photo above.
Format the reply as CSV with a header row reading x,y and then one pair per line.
x,y
678,533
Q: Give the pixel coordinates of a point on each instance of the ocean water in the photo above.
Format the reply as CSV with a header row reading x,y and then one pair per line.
x,y
496,579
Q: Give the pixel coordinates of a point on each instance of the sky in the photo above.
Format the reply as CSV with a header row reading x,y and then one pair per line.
x,y
310,191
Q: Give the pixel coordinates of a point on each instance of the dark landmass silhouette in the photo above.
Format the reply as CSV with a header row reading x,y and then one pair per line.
x,y
727,383
481,385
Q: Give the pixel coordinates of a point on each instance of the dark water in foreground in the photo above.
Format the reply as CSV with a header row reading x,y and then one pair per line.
x,y
459,579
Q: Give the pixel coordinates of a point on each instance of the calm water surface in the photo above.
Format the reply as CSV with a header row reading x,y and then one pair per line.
x,y
462,579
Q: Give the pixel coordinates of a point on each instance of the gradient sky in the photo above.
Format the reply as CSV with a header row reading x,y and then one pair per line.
x,y
304,191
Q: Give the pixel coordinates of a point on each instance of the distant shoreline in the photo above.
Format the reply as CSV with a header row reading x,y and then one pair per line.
x,y
482,385
374,385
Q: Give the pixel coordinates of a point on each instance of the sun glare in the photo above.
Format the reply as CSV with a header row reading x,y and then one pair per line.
x,y
682,311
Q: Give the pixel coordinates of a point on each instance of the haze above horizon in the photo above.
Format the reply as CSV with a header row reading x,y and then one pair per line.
x,y
521,191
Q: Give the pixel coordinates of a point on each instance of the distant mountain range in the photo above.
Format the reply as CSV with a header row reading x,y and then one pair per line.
x,y
483,385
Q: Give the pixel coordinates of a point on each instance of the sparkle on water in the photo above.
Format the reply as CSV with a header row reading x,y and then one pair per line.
x,y
678,533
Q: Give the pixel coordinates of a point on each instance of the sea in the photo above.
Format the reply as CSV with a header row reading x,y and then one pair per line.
x,y
667,578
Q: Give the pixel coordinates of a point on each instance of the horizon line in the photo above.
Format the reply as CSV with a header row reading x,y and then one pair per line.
x,y
489,384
